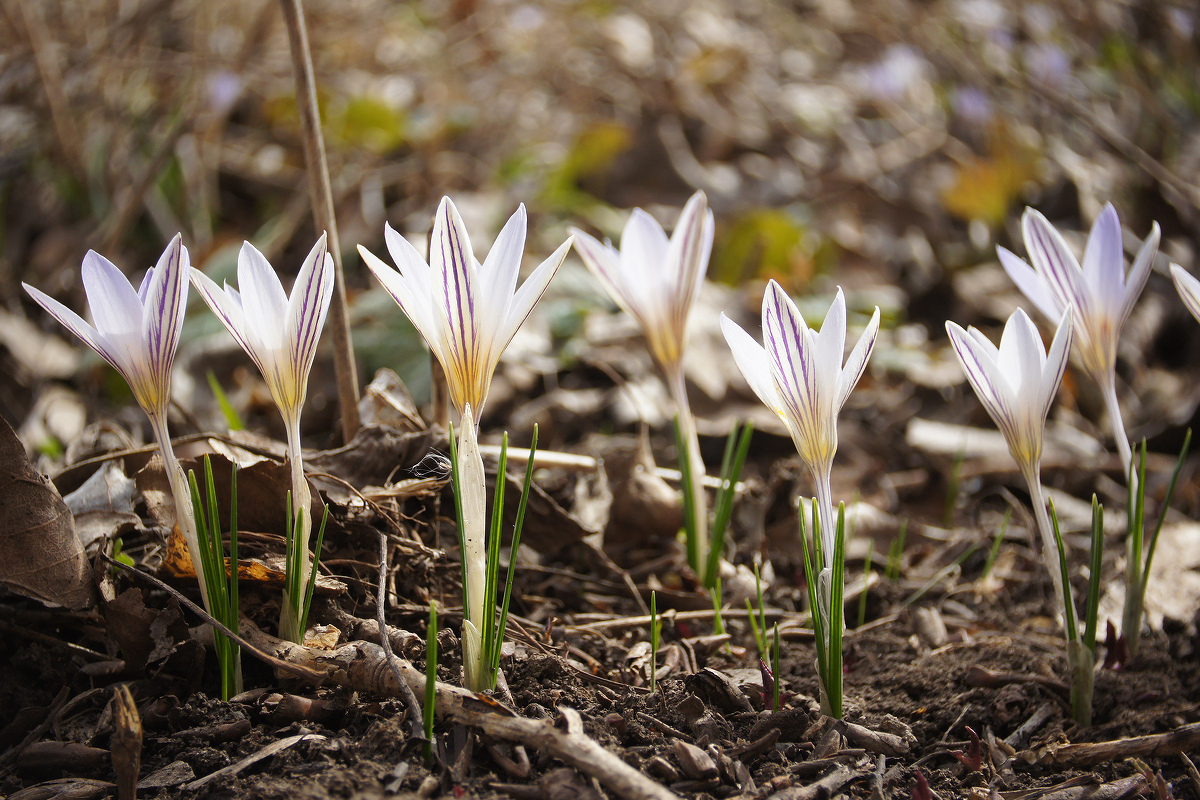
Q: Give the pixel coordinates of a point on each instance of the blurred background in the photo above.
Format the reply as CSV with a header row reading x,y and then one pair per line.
x,y
886,146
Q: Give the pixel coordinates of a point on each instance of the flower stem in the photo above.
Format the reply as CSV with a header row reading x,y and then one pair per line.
x,y
697,526
1033,478
1113,407
474,552
292,612
184,514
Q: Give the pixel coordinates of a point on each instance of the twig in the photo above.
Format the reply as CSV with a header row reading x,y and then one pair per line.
x,y
359,665
1183,739
266,752
324,218
52,82
417,719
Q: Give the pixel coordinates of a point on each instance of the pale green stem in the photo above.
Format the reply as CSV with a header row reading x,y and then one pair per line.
x,y
1033,478
1131,620
825,578
184,513
474,555
687,430
291,613
1109,390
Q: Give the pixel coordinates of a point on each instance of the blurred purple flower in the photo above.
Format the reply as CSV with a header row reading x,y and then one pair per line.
x,y
971,105
895,74
1048,63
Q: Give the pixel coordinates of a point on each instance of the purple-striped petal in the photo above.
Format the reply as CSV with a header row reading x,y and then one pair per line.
x,y
1055,262
114,305
162,316
687,255
454,271
308,307
991,387
226,305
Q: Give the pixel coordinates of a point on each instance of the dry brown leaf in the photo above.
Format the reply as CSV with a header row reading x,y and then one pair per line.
x,y
40,556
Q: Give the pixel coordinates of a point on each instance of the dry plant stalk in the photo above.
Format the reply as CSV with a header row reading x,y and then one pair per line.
x,y
126,744
321,194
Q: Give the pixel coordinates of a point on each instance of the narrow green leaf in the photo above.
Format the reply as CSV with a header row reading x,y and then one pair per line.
x,y
1092,611
1072,631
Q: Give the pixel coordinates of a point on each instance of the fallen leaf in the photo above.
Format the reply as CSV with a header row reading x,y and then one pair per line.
x,y
40,555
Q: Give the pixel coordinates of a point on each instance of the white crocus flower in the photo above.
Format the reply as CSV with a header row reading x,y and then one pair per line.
x,y
1017,383
280,335
1099,291
467,313
137,332
1188,288
657,280
800,376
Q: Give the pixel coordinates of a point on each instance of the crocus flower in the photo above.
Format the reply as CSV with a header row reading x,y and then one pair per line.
x,y
1100,292
1016,384
280,335
657,281
466,312
137,332
800,376
1188,288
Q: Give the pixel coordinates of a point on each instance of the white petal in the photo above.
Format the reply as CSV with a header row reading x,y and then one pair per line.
x,y
831,344
604,262
688,252
498,275
455,297
530,292
1138,274
644,248
227,307
1056,363
1104,261
755,365
1185,283
784,340
856,364
1055,262
114,304
263,300
984,376
308,307
407,295
1031,284
1022,355
76,325
162,315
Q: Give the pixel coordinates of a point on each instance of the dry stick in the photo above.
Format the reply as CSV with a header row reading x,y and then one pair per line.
x,y
360,665
52,82
323,214
414,707
1183,739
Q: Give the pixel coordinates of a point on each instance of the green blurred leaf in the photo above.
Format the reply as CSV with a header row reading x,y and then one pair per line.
x,y
767,243
591,156
369,123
